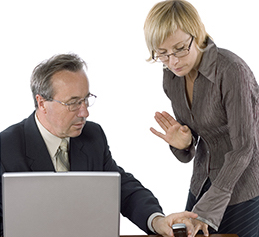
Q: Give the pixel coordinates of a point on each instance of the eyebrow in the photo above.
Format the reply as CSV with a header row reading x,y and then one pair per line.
x,y
77,97
174,44
74,97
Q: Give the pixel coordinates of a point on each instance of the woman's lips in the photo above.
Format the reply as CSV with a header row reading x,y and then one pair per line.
x,y
178,69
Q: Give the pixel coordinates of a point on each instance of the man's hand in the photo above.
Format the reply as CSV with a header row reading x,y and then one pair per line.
x,y
176,135
163,225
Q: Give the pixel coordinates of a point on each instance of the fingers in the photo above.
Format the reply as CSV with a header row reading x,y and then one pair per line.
x,y
188,214
169,118
205,230
189,227
168,231
183,217
196,229
176,135
166,118
187,221
199,225
162,121
166,121
159,134
161,226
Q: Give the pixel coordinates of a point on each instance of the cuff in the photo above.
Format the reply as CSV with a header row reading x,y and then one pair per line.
x,y
207,222
212,205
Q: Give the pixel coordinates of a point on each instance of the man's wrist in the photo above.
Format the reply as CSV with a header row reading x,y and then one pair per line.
x,y
151,218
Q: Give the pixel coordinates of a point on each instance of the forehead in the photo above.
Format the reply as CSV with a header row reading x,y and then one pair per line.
x,y
175,38
69,84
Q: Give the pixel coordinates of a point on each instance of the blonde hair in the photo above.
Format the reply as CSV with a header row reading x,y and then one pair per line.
x,y
166,17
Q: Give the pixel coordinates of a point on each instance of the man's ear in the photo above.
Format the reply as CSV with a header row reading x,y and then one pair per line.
x,y
41,103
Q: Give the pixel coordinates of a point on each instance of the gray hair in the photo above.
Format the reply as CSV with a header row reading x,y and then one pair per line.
x,y
41,83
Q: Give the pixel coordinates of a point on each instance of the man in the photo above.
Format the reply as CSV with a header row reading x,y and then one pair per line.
x,y
61,94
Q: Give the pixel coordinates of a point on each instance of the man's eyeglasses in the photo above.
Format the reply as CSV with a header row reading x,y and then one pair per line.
x,y
178,54
73,106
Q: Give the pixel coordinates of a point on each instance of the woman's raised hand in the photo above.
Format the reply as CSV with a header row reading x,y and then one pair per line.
x,y
176,135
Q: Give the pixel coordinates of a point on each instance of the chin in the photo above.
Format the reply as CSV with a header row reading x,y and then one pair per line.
x,y
179,74
75,133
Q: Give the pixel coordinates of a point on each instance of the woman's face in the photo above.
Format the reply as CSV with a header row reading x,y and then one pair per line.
x,y
180,66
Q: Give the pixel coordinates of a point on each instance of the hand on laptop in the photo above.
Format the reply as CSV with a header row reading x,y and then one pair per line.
x,y
163,225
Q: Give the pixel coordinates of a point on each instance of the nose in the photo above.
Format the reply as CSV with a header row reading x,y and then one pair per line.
x,y
83,111
172,60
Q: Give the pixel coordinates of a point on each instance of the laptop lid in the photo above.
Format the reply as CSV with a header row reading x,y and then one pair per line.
x,y
46,204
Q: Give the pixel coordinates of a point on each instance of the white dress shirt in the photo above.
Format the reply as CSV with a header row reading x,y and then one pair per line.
x,y
52,142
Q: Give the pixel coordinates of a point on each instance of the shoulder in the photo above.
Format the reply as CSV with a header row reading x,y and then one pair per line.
x,y
20,127
15,135
15,129
221,56
226,59
219,64
231,67
13,143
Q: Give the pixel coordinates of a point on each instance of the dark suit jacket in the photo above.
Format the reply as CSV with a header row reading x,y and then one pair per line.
x,y
23,149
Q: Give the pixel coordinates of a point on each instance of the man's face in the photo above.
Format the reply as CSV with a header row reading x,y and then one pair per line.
x,y
68,87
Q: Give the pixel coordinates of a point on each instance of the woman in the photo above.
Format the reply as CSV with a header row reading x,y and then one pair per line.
x,y
215,99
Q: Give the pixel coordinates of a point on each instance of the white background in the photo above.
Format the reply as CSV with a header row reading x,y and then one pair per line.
x,y
108,35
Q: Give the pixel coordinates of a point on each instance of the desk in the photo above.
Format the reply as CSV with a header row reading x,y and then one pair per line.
x,y
213,235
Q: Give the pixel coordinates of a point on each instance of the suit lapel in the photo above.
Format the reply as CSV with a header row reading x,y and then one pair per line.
x,y
78,157
38,155
36,150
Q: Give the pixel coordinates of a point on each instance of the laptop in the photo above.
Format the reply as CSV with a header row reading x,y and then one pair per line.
x,y
65,204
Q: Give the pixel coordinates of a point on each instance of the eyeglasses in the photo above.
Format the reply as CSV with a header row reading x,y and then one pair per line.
x,y
73,106
178,54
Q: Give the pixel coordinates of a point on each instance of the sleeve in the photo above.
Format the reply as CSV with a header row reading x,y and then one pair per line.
x,y
185,155
137,202
239,96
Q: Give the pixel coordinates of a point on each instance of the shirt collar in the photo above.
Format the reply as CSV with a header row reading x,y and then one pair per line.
x,y
52,142
208,63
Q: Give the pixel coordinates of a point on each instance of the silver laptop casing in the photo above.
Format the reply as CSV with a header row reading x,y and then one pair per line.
x,y
46,204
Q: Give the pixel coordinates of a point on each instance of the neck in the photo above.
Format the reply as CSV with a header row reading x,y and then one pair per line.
x,y
41,120
191,76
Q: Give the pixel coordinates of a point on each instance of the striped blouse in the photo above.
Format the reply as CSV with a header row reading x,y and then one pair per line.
x,y
224,120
